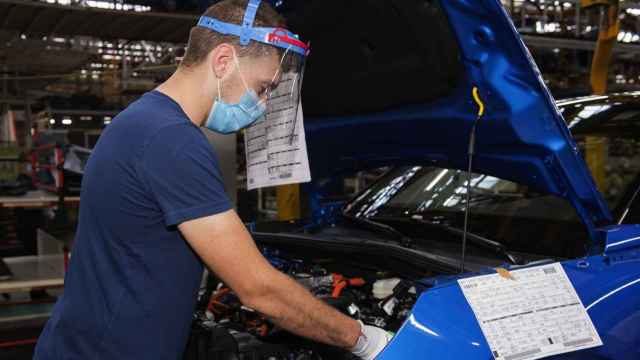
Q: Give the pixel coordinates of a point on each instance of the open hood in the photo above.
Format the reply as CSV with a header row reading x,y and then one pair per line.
x,y
390,82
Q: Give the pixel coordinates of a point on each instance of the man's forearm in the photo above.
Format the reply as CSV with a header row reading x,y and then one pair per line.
x,y
224,244
292,307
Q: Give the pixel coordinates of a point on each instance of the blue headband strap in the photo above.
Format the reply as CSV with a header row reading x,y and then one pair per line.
x,y
247,23
281,38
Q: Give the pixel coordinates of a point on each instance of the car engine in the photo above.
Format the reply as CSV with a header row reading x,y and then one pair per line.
x,y
224,329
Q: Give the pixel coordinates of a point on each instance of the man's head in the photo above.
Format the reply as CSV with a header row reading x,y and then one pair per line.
x,y
239,57
258,62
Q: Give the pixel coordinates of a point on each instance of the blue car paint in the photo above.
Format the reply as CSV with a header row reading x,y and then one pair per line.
x,y
442,325
522,138
619,237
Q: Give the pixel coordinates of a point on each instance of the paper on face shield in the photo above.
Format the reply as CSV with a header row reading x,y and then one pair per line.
x,y
276,149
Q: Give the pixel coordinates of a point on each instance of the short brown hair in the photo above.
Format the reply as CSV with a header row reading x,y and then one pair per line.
x,y
202,40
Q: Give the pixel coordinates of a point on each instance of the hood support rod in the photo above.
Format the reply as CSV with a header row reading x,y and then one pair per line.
x,y
471,153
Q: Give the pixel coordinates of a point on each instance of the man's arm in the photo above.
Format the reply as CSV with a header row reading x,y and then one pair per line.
x,y
184,179
227,248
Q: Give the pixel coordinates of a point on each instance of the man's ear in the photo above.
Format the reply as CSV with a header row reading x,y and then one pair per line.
x,y
221,59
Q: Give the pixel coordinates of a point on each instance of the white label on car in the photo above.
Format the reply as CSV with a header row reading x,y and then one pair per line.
x,y
530,313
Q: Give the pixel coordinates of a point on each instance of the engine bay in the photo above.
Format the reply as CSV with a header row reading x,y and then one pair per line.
x,y
224,329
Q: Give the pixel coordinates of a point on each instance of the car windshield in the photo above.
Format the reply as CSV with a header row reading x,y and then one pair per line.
x,y
512,213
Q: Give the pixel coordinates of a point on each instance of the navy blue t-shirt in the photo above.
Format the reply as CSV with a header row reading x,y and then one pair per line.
x,y
132,282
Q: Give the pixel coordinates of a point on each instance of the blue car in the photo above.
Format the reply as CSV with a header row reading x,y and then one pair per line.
x,y
433,89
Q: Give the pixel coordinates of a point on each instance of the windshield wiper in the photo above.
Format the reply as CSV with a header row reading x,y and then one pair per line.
x,y
479,240
378,226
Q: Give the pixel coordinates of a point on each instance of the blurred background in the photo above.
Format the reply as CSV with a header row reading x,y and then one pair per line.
x,y
67,67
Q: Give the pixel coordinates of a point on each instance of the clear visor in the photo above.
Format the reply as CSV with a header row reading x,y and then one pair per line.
x,y
284,97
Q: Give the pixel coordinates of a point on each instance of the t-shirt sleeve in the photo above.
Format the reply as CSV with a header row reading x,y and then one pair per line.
x,y
181,171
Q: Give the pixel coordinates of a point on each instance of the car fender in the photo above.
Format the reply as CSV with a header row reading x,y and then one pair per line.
x,y
443,326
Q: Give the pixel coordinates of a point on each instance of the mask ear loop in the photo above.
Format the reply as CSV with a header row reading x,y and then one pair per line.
x,y
244,82
235,59
219,89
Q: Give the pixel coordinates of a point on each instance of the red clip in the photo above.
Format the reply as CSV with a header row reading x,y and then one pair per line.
x,y
281,35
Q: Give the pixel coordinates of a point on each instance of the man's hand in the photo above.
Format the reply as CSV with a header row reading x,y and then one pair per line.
x,y
225,245
371,342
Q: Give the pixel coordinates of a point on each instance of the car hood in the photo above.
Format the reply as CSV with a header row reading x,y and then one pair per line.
x,y
390,83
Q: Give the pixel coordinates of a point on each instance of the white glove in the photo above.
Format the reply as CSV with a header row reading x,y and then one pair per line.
x,y
371,342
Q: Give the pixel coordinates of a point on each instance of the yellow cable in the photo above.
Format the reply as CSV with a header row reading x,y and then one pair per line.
x,y
476,97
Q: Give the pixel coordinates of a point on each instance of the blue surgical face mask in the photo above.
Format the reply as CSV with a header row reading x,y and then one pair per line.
x,y
228,118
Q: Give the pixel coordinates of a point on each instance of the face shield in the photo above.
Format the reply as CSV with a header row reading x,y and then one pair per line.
x,y
283,98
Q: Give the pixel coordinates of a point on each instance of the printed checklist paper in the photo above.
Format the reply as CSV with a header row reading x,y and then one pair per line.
x,y
530,314
276,149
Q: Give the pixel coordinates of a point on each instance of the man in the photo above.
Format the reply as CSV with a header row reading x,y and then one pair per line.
x,y
153,206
